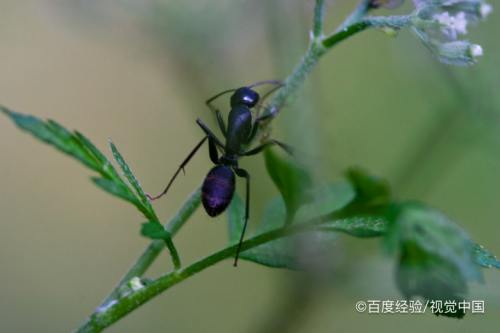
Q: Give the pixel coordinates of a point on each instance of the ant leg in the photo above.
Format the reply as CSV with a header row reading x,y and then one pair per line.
x,y
271,142
270,92
258,120
209,133
181,167
212,151
243,174
218,115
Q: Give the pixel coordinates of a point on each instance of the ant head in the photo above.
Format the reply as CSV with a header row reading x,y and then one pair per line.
x,y
245,96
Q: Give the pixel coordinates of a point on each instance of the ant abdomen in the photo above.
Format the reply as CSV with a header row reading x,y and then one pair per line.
x,y
217,189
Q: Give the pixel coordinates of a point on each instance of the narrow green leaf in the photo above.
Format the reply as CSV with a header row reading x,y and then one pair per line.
x,y
59,130
114,188
291,179
154,230
78,146
148,208
485,258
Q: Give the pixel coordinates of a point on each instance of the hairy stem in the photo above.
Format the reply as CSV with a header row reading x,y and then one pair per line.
x,y
319,13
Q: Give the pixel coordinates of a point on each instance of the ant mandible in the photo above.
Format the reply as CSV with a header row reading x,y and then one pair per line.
x,y
219,184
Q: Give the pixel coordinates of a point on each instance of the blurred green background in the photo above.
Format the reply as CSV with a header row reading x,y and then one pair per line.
x,y
139,72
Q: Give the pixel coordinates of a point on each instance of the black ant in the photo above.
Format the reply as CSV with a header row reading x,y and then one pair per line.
x,y
219,184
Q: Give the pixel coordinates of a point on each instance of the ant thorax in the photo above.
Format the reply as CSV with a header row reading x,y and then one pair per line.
x,y
239,128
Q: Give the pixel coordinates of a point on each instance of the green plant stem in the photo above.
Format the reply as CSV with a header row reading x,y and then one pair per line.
x,y
358,13
106,316
176,259
319,13
391,22
296,79
155,247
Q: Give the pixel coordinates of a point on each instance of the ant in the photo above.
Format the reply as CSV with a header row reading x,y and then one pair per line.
x,y
219,184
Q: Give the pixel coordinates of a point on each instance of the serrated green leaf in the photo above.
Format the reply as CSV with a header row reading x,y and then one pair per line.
x,y
147,208
81,148
106,167
154,230
485,258
291,179
116,189
52,133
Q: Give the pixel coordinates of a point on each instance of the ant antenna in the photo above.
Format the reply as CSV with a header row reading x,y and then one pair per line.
x,y
260,83
219,95
278,83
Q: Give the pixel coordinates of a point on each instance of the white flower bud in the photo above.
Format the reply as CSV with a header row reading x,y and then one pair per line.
x,y
485,9
461,53
476,50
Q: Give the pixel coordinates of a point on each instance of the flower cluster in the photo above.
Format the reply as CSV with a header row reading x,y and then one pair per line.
x,y
440,24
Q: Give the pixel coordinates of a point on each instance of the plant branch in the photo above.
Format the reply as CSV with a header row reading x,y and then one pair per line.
x,y
359,12
106,316
390,22
318,46
155,247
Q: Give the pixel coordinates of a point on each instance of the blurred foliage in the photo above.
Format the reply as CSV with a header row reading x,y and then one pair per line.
x,y
384,104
